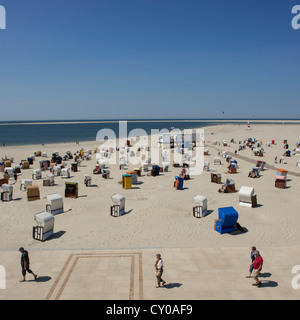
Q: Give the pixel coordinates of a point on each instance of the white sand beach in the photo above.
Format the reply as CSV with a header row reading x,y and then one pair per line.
x,y
158,215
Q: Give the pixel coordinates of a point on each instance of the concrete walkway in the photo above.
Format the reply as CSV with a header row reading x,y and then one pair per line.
x,y
252,161
128,274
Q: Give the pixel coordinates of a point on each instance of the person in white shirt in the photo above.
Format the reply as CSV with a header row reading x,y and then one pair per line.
x,y
159,269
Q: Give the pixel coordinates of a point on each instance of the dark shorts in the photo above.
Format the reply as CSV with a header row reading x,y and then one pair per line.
x,y
25,269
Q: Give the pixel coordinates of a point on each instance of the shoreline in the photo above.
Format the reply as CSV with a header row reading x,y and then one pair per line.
x,y
210,127
277,121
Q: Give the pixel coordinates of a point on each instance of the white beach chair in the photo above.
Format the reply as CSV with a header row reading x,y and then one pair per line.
x,y
118,208
247,197
37,174
25,183
6,192
217,160
54,204
200,210
45,226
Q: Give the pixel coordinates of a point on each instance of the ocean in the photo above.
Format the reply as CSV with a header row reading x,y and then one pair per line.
x,y
48,132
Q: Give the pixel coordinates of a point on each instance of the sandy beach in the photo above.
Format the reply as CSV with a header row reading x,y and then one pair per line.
x,y
158,215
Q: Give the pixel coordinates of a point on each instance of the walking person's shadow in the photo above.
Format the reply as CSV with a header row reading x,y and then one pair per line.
x,y
41,279
172,285
267,283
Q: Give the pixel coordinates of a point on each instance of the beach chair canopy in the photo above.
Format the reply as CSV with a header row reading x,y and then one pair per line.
x,y
45,220
201,201
228,215
281,172
246,193
179,179
119,200
230,182
55,200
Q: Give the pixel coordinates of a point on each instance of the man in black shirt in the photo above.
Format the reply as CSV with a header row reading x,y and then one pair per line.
x,y
25,264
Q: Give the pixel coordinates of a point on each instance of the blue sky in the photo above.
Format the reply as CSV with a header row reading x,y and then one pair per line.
x,y
125,59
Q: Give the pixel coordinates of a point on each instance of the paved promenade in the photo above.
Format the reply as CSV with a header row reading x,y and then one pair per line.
x,y
128,274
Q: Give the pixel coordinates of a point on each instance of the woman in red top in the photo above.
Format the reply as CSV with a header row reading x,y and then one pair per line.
x,y
257,267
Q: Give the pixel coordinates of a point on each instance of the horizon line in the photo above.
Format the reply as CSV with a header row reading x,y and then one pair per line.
x,y
73,121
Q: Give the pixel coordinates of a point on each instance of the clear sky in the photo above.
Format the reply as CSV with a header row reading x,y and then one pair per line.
x,y
125,59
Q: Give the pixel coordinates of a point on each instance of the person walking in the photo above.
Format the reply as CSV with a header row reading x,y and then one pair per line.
x,y
25,264
159,269
252,257
257,267
15,177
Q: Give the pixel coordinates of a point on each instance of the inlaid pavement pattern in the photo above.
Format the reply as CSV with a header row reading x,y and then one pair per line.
x,y
94,274
125,274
